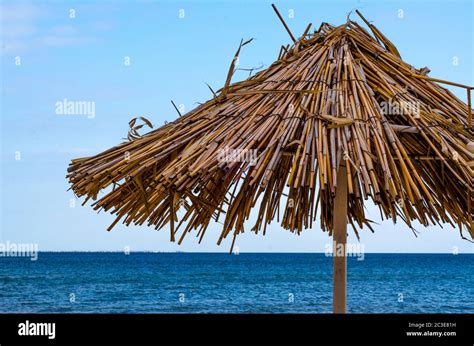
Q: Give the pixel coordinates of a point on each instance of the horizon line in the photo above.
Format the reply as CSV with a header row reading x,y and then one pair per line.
x,y
245,252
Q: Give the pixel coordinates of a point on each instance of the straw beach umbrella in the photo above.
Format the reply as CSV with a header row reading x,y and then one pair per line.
x,y
338,119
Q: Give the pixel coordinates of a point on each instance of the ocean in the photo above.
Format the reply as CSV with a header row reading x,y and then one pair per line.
x,y
243,283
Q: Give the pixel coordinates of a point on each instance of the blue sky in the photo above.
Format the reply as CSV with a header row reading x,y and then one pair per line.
x,y
171,58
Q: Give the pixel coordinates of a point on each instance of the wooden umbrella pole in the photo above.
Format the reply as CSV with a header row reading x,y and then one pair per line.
x,y
339,243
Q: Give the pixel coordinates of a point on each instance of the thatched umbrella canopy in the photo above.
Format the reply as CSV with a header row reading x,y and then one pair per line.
x,y
339,118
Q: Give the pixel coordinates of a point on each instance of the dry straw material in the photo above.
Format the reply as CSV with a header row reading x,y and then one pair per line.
x,y
339,98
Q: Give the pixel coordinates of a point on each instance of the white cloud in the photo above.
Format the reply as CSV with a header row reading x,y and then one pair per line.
x,y
17,30
11,47
62,41
24,27
65,30
17,25
19,12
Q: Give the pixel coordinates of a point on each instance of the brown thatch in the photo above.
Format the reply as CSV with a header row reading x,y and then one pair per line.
x,y
339,98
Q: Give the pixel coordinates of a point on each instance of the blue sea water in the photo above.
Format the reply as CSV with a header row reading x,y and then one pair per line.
x,y
244,283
